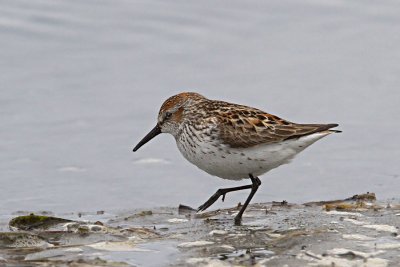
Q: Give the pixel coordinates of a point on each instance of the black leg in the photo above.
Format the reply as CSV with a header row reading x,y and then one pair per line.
x,y
256,183
221,192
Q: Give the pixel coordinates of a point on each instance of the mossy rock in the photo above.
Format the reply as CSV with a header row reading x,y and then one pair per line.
x,y
32,222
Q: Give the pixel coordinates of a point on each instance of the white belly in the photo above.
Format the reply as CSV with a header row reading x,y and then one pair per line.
x,y
236,164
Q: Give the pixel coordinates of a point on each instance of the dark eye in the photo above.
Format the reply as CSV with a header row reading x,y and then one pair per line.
x,y
168,115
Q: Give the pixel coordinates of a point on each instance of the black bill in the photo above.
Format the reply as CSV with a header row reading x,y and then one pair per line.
x,y
153,133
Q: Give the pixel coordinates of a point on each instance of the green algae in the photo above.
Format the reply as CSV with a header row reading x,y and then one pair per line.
x,y
32,222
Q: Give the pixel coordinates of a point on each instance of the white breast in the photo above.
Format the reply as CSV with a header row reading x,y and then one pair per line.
x,y
235,163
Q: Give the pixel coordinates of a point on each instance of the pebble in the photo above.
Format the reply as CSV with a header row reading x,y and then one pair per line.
x,y
74,250
344,251
358,237
227,248
117,246
218,232
388,246
382,227
344,213
356,222
200,243
177,220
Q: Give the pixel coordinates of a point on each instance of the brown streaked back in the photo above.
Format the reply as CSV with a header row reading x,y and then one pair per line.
x,y
243,129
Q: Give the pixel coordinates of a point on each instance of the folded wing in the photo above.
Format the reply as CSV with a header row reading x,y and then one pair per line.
x,y
246,129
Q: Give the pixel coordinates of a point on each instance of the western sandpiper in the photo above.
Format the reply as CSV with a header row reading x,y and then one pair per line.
x,y
232,141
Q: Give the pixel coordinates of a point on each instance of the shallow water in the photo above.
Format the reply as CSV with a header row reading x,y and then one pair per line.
x,y
81,83
353,232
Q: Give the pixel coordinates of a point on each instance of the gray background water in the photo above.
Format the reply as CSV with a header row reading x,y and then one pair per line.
x,y
81,82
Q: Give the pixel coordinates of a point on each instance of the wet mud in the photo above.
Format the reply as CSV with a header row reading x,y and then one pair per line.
x,y
357,231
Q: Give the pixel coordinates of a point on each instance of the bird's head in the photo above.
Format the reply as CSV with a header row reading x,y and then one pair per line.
x,y
170,116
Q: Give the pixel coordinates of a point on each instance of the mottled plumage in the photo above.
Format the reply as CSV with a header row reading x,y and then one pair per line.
x,y
232,141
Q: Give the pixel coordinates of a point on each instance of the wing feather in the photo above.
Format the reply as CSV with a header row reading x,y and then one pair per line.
x,y
242,129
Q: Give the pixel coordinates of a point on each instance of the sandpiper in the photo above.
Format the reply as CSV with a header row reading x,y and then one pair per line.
x,y
232,141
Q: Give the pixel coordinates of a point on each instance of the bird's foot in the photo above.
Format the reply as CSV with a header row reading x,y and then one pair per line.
x,y
212,199
238,220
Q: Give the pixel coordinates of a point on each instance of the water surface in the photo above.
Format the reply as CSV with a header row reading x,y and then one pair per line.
x,y
82,81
